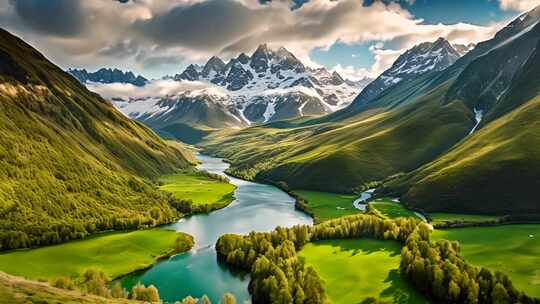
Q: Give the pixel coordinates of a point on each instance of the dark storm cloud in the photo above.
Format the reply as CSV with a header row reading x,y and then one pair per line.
x,y
204,25
63,18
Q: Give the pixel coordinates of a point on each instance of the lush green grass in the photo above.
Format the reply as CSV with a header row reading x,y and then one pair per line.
x,y
113,253
506,248
354,270
327,205
437,218
387,207
201,189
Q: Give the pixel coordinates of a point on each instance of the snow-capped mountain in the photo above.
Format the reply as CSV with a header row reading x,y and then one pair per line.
x,y
104,75
269,85
269,78
422,58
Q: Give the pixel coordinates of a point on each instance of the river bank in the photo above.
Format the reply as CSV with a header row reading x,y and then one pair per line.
x,y
257,207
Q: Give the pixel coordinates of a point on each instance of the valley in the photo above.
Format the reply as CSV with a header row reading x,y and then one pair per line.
x,y
270,152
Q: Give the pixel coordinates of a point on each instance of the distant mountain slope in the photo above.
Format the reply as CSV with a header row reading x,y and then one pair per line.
x,y
421,59
70,163
497,169
104,75
411,124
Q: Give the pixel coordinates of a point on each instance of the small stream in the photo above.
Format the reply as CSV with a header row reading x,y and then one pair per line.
x,y
257,207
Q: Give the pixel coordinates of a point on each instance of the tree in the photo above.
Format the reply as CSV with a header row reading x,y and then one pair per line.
x,y
499,295
228,298
142,293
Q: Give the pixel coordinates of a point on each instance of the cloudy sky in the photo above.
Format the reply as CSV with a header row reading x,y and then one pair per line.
x,y
158,37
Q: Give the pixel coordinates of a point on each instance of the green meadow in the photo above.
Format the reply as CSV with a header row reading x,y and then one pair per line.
x,y
387,207
359,270
512,249
202,190
327,205
115,254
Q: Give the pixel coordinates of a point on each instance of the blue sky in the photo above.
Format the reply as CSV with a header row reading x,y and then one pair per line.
x,y
478,12
157,37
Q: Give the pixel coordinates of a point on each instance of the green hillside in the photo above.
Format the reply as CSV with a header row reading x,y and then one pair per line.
x,y
338,156
70,164
498,165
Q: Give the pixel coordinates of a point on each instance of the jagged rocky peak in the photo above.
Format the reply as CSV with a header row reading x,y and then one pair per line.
x,y
107,75
191,73
214,65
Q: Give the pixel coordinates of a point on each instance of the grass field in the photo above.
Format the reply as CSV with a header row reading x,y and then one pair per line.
x,y
355,270
200,189
508,249
113,253
438,218
327,205
391,209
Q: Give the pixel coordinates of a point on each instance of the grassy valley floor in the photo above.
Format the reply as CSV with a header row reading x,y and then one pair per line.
x,y
390,208
115,254
512,249
326,206
356,270
200,189
441,218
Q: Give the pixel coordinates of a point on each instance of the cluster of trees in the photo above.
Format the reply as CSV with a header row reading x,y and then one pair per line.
x,y
95,282
437,270
16,233
278,275
227,298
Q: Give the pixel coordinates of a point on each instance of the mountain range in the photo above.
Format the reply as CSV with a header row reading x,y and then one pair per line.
x,y
267,86
104,75
460,137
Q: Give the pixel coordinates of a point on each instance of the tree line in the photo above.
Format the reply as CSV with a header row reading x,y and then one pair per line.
x,y
96,283
278,275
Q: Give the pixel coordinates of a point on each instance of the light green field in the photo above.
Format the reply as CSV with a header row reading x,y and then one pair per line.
x,y
327,205
391,209
507,248
355,270
113,253
200,189
450,217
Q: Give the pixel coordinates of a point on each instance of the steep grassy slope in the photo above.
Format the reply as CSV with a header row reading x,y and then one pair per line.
x,y
499,165
70,164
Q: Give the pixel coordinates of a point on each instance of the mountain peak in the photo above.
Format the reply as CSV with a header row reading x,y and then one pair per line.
x,y
108,75
421,59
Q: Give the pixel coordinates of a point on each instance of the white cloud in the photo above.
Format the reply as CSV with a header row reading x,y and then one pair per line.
x,y
141,33
156,88
519,5
353,73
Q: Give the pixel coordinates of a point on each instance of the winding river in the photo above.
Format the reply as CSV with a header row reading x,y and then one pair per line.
x,y
257,207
